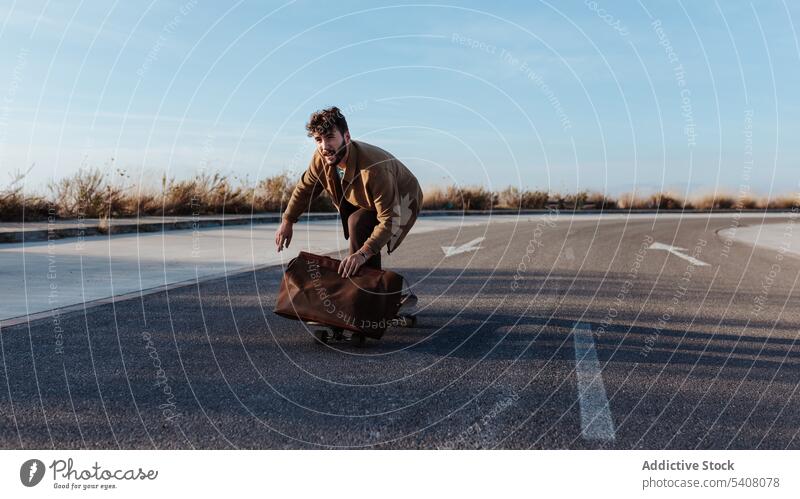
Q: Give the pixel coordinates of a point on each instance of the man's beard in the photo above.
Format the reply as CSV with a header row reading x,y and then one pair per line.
x,y
339,156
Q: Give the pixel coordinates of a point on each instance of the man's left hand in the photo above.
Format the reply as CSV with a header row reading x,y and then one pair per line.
x,y
352,263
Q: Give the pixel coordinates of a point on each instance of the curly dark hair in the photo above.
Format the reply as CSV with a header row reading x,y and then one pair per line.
x,y
321,121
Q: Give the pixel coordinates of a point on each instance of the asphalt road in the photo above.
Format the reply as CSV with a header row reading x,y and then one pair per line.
x,y
556,333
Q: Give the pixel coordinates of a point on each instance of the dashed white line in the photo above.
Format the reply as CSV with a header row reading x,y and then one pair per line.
x,y
596,423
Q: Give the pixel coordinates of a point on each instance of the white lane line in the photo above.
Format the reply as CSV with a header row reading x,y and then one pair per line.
x,y
470,246
677,252
596,423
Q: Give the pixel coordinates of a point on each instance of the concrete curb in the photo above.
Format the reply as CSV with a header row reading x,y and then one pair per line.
x,y
122,226
119,227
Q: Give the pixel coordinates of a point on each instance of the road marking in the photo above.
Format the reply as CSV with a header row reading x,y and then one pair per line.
x,y
677,252
455,250
596,423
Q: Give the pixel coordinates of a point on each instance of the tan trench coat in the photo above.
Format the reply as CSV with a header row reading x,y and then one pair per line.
x,y
373,179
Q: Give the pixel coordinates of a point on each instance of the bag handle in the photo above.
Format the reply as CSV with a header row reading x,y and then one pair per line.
x,y
312,256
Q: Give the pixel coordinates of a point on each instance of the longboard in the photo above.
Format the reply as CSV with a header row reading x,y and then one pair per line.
x,y
324,334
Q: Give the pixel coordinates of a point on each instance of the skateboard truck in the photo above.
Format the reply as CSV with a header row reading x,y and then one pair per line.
x,y
324,334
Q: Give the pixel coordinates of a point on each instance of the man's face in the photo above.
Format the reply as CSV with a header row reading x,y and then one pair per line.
x,y
332,145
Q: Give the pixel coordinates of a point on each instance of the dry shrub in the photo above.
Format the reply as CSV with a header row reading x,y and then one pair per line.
x,y
88,193
667,201
572,201
742,201
272,194
512,197
16,206
583,200
599,201
628,201
658,201
204,195
474,198
142,203
717,201
459,198
93,194
435,199
784,202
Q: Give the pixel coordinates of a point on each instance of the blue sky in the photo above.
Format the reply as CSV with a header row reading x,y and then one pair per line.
x,y
606,96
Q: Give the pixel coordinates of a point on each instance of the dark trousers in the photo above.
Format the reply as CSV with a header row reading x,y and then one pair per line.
x,y
360,224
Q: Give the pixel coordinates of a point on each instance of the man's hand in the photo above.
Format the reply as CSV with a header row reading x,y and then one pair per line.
x,y
283,236
352,263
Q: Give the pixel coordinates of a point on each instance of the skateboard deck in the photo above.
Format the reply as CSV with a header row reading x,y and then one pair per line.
x,y
324,334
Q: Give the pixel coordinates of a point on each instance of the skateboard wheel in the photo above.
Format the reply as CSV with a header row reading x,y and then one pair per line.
x,y
358,339
406,321
321,336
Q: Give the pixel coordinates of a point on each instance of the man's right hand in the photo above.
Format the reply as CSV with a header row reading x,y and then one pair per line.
x,y
283,236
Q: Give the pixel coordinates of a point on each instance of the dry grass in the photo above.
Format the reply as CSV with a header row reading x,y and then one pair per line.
x,y
782,202
94,194
15,205
513,198
273,193
725,201
459,198
205,195
659,201
88,194
581,201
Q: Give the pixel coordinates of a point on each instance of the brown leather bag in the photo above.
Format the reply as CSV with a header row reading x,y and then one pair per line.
x,y
312,290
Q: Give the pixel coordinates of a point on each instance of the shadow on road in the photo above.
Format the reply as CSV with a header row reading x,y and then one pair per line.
x,y
237,375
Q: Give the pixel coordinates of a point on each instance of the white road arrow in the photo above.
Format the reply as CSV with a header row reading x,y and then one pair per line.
x,y
677,252
455,250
